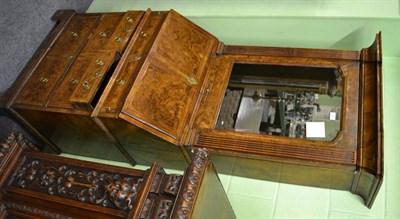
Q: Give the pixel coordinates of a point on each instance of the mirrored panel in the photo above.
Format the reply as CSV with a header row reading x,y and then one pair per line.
x,y
291,101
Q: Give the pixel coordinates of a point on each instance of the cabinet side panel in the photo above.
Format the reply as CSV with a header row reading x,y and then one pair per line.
x,y
212,201
299,173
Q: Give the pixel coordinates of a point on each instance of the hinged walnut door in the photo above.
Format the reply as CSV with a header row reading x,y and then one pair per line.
x,y
165,93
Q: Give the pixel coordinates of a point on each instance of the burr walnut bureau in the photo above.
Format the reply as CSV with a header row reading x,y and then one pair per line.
x,y
39,185
146,86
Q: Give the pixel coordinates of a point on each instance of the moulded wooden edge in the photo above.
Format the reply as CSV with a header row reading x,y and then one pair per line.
x,y
370,162
366,185
374,52
292,52
201,180
35,200
11,149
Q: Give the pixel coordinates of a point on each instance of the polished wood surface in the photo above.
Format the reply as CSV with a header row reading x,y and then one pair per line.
x,y
176,63
152,84
58,58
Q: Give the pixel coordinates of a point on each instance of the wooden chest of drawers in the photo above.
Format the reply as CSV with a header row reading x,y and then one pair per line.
x,y
154,86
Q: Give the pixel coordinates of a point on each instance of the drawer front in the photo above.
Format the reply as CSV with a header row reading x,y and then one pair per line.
x,y
101,38
72,79
37,89
130,64
93,76
101,35
74,35
61,54
124,30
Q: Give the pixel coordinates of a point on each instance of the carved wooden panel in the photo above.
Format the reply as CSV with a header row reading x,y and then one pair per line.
x,y
167,87
107,189
4,149
162,195
34,211
191,185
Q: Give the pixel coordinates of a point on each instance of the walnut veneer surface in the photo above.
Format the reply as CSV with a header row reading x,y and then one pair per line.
x,y
149,85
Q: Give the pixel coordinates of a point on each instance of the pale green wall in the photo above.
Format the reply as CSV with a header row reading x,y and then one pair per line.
x,y
340,24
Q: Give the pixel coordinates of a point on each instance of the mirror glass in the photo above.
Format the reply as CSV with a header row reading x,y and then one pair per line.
x,y
291,101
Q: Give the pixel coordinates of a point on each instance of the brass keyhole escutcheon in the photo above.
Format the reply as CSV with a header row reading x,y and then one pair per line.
x,y
74,81
86,85
99,62
130,20
103,34
74,34
44,80
120,81
143,34
118,39
137,57
191,80
127,30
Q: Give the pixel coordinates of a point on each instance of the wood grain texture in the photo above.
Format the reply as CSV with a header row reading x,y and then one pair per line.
x,y
370,161
39,87
178,72
113,97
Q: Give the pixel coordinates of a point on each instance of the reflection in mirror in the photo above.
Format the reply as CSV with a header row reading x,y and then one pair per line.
x,y
291,101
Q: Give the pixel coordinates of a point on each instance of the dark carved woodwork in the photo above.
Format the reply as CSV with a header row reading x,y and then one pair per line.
x,y
149,85
48,186
90,186
191,185
33,211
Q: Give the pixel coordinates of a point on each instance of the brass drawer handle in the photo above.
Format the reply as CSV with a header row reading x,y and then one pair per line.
x,y
68,56
74,81
191,80
99,62
74,34
118,39
44,80
103,34
120,82
110,110
86,85
143,34
98,74
127,30
137,57
130,20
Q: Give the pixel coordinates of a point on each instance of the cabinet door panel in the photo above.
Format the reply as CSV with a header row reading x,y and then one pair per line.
x,y
166,90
